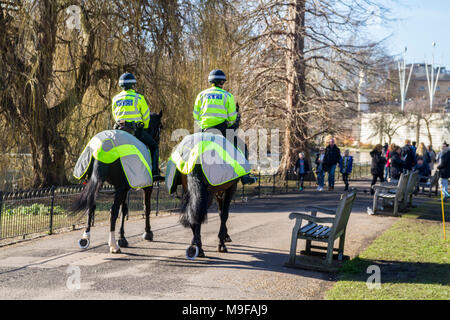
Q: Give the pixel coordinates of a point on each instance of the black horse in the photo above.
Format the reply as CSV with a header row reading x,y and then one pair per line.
x,y
198,195
113,173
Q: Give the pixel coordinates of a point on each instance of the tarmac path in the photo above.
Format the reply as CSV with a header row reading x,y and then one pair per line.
x,y
253,269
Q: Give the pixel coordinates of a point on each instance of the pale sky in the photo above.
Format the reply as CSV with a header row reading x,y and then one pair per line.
x,y
419,24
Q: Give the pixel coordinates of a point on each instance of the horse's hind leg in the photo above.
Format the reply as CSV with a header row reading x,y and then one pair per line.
x,y
148,234
224,208
197,240
84,242
122,240
119,197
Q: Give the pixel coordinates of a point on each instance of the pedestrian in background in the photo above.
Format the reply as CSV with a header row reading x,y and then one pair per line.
x,y
346,165
377,166
387,171
301,169
320,168
432,155
444,171
408,155
397,163
422,152
331,159
423,168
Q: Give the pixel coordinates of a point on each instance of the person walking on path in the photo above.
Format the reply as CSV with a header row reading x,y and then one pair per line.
x,y
388,154
444,172
408,155
331,159
302,168
397,163
377,166
432,155
346,165
320,170
422,151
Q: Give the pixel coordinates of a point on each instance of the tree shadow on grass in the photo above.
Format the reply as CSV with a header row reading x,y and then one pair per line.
x,y
396,271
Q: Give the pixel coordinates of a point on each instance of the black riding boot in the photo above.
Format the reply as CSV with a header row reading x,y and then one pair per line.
x,y
155,166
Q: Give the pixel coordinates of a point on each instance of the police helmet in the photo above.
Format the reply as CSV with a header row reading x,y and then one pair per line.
x,y
126,80
217,76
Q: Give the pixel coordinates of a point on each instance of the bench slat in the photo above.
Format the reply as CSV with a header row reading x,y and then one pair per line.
x,y
307,227
318,231
324,232
310,232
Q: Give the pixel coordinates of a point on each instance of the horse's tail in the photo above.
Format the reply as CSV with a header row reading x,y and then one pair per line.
x,y
194,206
89,194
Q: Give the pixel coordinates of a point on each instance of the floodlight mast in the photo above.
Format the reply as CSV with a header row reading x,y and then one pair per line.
x,y
432,83
404,84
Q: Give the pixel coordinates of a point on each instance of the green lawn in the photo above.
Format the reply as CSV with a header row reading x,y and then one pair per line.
x,y
414,261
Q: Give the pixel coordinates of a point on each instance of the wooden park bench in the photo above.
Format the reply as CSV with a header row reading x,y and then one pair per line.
x,y
411,188
432,183
395,194
314,230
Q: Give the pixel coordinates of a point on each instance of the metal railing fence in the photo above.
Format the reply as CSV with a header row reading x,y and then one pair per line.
x,y
44,211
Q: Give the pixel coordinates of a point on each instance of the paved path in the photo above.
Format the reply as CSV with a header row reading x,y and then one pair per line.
x,y
253,269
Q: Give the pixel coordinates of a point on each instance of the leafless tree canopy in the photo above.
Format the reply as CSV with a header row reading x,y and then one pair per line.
x,y
294,65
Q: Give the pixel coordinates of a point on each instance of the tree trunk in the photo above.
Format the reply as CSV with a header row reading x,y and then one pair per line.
x,y
295,127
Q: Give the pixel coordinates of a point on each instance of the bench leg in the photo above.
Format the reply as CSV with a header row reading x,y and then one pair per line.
x,y
341,247
294,240
308,247
329,257
396,207
375,202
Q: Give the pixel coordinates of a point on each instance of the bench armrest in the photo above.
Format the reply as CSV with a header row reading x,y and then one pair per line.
x,y
298,215
320,209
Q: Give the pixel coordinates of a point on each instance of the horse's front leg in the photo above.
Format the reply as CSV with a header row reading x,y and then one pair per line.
x,y
148,234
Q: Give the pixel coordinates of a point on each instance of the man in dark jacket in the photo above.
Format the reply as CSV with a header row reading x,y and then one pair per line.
x,y
377,166
397,163
409,155
444,172
331,159
301,169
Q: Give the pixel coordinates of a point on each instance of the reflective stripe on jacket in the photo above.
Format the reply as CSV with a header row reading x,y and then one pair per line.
x,y
129,105
214,106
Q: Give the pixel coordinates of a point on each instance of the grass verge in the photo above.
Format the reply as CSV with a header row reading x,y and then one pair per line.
x,y
414,261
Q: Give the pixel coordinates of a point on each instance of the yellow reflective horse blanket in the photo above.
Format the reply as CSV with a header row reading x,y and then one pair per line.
x,y
220,161
110,145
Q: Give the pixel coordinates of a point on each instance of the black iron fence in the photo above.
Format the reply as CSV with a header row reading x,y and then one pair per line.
x,y
44,211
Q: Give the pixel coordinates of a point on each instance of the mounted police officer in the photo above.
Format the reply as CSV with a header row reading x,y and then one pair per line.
x,y
131,112
215,110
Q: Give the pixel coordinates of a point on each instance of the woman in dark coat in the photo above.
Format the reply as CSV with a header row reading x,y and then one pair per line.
x,y
397,163
377,167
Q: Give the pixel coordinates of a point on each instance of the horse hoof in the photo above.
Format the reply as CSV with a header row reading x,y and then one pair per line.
x,y
114,250
83,243
123,243
148,236
222,248
192,252
227,239
201,254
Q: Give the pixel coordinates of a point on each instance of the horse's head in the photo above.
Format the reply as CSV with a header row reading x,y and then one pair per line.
x,y
155,125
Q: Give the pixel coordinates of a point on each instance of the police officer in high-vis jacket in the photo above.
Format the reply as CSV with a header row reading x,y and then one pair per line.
x,y
130,109
215,109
